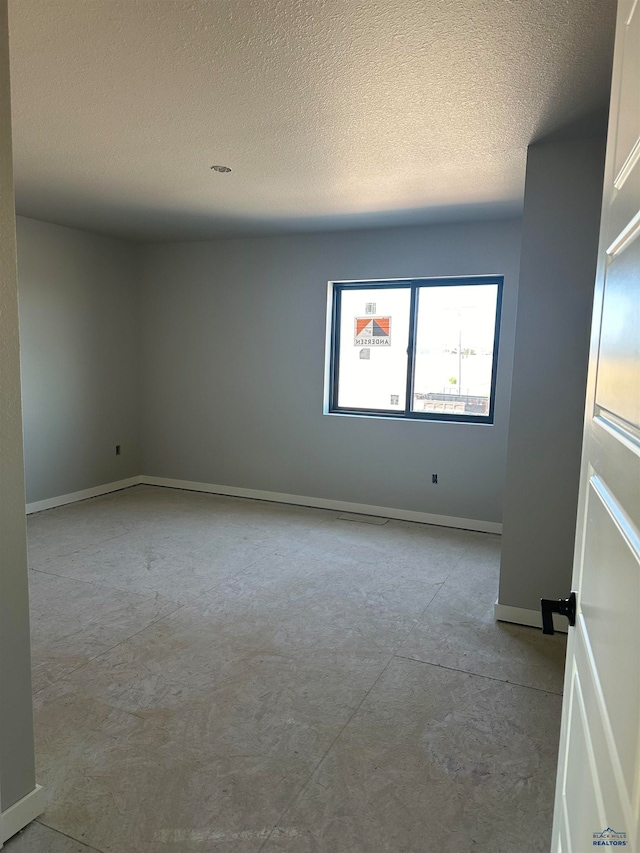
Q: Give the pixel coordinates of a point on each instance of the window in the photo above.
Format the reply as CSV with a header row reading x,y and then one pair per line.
x,y
419,348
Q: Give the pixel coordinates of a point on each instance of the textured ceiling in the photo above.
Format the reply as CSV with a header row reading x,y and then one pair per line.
x,y
331,113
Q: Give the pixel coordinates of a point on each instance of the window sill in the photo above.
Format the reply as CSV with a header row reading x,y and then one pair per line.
x,y
403,420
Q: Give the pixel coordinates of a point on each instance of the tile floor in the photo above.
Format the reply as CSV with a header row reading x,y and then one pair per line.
x,y
218,674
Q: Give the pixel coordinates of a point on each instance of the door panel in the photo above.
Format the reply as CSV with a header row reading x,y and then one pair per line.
x,y
620,471
624,204
628,129
610,602
608,773
598,788
619,362
582,788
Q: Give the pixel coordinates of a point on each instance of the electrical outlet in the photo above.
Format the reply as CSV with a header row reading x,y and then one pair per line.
x,y
117,450
434,479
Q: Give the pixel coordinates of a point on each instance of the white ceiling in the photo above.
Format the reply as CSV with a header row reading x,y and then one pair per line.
x,y
331,113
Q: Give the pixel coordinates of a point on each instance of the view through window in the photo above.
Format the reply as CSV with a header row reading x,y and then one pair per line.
x,y
423,348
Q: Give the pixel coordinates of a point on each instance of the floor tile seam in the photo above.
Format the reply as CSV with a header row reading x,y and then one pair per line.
x,y
307,528
469,549
418,618
66,835
243,525
240,572
462,556
245,570
291,552
244,498
109,649
153,594
440,588
93,545
306,782
478,675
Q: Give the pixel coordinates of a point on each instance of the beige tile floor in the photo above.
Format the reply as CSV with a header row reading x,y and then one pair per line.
x,y
218,674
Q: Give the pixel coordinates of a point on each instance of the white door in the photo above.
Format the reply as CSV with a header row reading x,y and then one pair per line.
x,y
598,788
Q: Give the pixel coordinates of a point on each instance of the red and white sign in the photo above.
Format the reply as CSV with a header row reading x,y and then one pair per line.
x,y
373,332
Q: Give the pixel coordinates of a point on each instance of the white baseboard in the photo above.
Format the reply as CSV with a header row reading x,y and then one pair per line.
x,y
61,500
326,503
522,616
17,816
275,497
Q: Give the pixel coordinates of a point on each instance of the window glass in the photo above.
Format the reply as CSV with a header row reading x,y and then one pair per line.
x,y
421,348
455,328
372,358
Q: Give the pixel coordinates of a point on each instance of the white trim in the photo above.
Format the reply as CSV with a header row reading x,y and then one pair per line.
x,y
522,616
50,503
400,420
21,813
628,165
625,237
275,497
326,503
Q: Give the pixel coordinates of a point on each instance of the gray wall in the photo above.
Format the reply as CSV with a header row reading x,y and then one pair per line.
x,y
563,197
16,715
233,356
80,360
